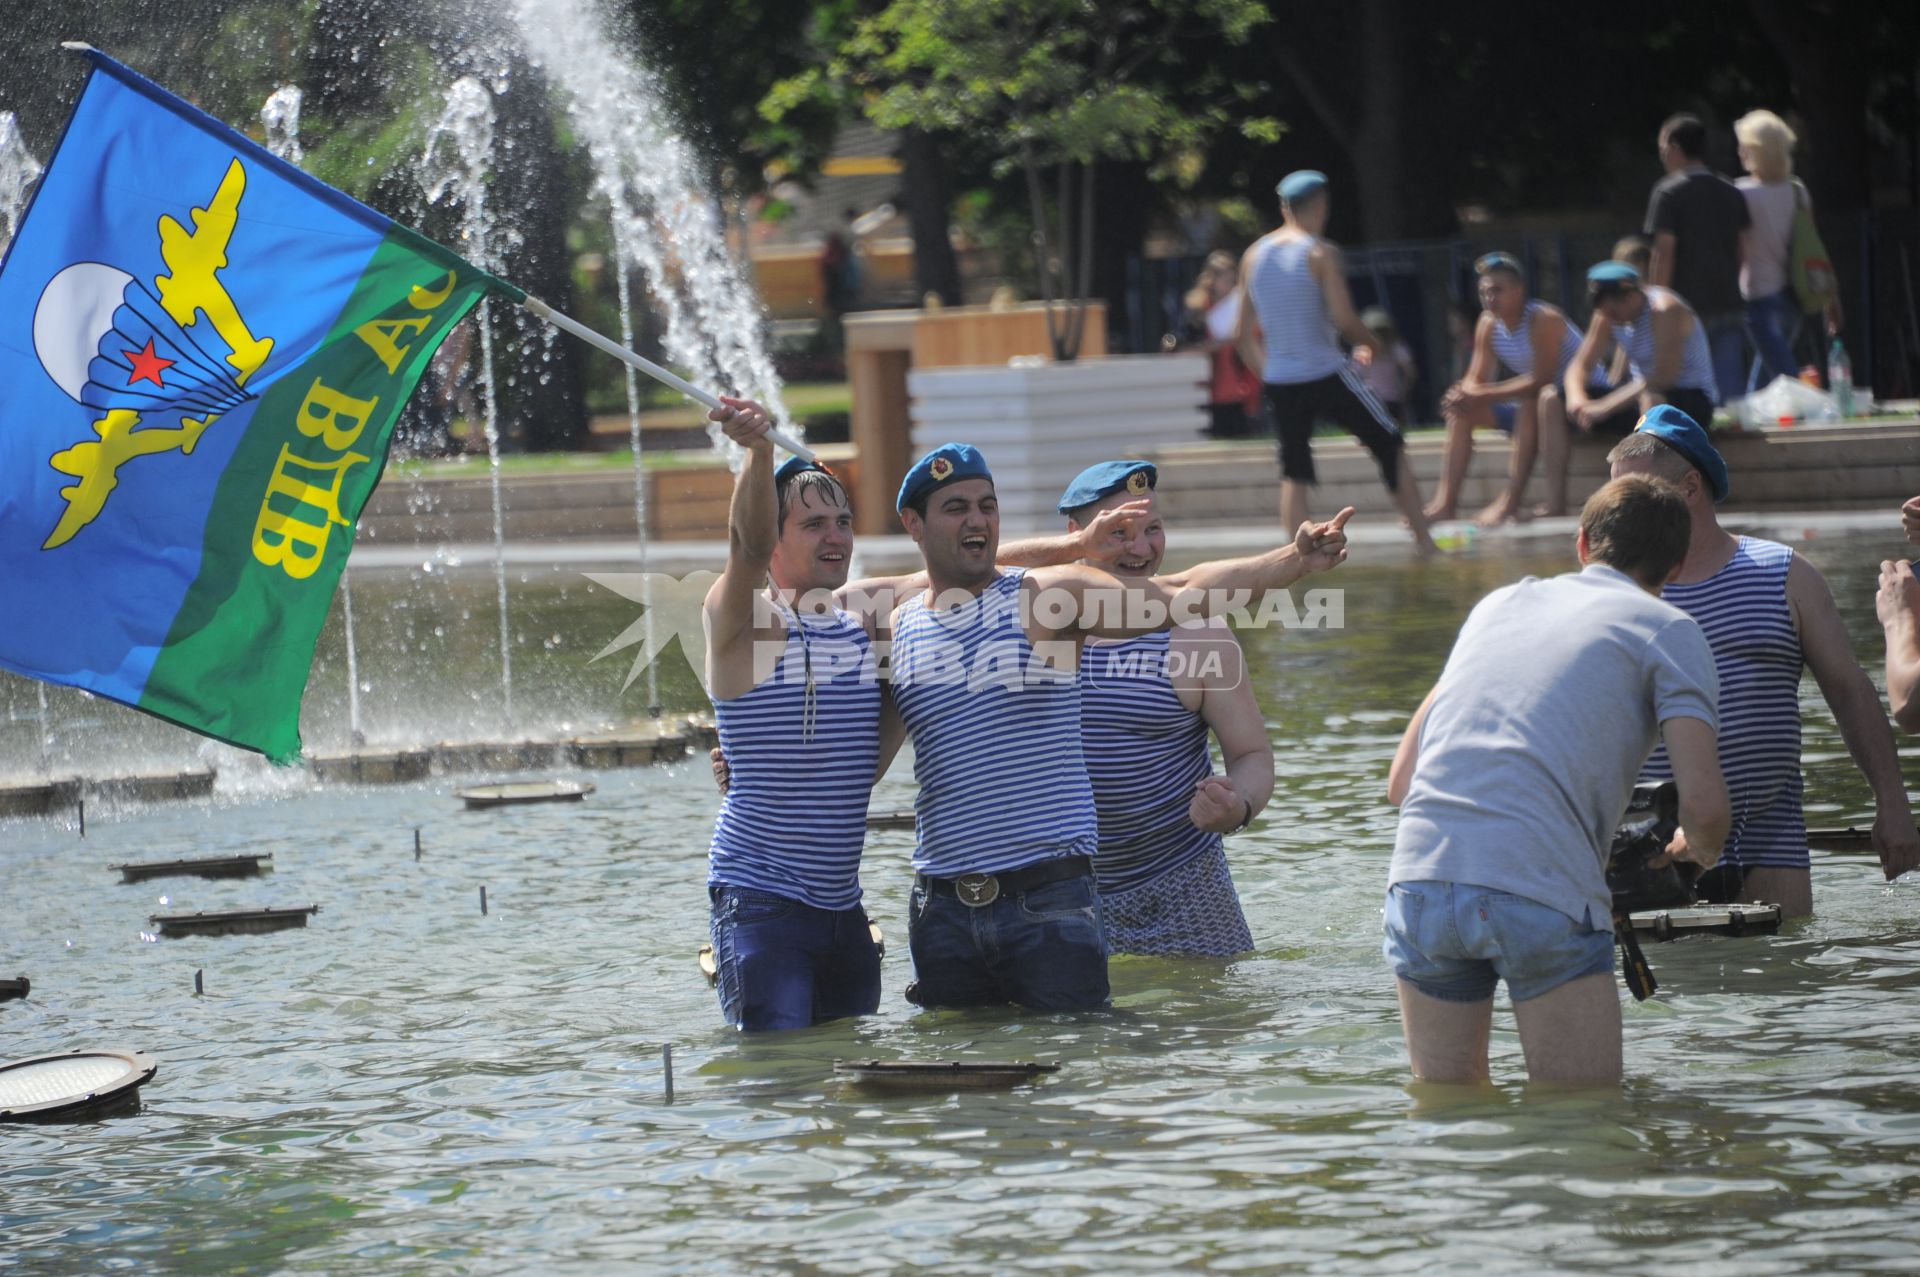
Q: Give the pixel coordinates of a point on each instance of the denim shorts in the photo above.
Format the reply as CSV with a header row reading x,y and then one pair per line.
x,y
1455,941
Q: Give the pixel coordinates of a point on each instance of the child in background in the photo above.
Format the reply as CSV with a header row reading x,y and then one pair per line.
x,y
1391,379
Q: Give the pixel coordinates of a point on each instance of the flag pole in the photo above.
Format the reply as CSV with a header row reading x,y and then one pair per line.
x,y
567,324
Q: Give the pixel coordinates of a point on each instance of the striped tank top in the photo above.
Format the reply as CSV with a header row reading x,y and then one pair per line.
x,y
1743,610
996,738
1145,752
1696,366
1515,345
794,817
1293,314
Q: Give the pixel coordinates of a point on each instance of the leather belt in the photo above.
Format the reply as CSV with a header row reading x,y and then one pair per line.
x,y
976,891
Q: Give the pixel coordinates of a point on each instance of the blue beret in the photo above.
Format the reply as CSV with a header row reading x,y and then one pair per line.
x,y
797,465
1106,478
949,463
1300,184
1499,261
1613,273
1675,428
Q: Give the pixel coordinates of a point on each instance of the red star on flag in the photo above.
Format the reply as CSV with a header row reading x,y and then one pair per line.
x,y
147,366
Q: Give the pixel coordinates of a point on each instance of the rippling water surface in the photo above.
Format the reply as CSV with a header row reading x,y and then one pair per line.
x,y
408,1085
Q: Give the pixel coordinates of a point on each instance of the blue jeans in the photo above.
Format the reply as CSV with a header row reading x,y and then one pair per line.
x,y
1773,323
1455,941
1044,948
1727,346
784,964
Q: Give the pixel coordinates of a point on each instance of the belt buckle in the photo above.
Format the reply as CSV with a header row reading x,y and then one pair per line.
x,y
976,891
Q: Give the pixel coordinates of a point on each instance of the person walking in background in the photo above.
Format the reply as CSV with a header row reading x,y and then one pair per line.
x,y
1391,376
1698,222
1294,308
1513,775
1773,196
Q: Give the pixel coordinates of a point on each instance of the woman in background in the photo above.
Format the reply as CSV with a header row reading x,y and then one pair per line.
x,y
1773,195
1213,310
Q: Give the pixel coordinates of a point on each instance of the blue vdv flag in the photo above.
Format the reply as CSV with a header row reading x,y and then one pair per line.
x,y
202,354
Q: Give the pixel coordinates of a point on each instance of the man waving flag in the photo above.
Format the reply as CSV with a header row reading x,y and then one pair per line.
x,y
202,354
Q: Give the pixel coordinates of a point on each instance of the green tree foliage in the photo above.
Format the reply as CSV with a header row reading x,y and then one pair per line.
x,y
1051,88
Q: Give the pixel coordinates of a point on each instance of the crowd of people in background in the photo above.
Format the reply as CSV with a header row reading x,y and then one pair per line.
x,y
1700,308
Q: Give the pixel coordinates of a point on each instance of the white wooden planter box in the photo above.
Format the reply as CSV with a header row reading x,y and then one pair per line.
x,y
1040,424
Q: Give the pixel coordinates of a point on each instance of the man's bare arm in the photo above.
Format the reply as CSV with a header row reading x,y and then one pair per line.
x,y
1660,259
1325,264
1858,713
1400,774
1228,706
1898,603
1705,813
752,519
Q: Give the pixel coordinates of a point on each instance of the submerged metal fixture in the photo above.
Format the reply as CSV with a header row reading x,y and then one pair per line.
x,y
902,819
526,791
79,1084
18,988
941,1075
1755,919
232,922
204,867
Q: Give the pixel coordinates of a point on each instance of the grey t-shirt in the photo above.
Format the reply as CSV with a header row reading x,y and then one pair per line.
x,y
1549,704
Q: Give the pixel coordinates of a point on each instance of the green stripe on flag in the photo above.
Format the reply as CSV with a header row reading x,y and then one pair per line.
x,y
236,659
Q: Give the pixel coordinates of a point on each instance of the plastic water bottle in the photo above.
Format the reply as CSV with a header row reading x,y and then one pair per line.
x,y
1840,378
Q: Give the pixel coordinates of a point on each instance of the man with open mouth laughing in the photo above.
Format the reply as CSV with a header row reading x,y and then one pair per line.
x,y
985,671
800,707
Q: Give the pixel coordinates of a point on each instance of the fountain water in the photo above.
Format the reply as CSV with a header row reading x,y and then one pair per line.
x,y
664,221
18,172
281,116
457,163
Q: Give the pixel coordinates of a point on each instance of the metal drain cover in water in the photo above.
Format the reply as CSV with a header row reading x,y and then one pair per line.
x,y
941,1075
78,1084
525,791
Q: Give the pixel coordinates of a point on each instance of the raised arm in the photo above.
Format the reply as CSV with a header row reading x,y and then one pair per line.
x,y
1857,710
752,529
1102,540
1898,603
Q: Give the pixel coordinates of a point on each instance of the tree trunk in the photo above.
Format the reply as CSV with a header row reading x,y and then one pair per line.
x,y
926,189
1125,207
1830,87
1376,151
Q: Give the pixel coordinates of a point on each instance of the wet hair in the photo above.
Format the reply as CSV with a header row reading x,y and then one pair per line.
x,y
1686,132
1639,525
787,495
1770,143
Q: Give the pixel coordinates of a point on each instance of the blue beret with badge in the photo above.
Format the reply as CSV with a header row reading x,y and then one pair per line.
x,y
1683,434
1301,184
1136,478
949,463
